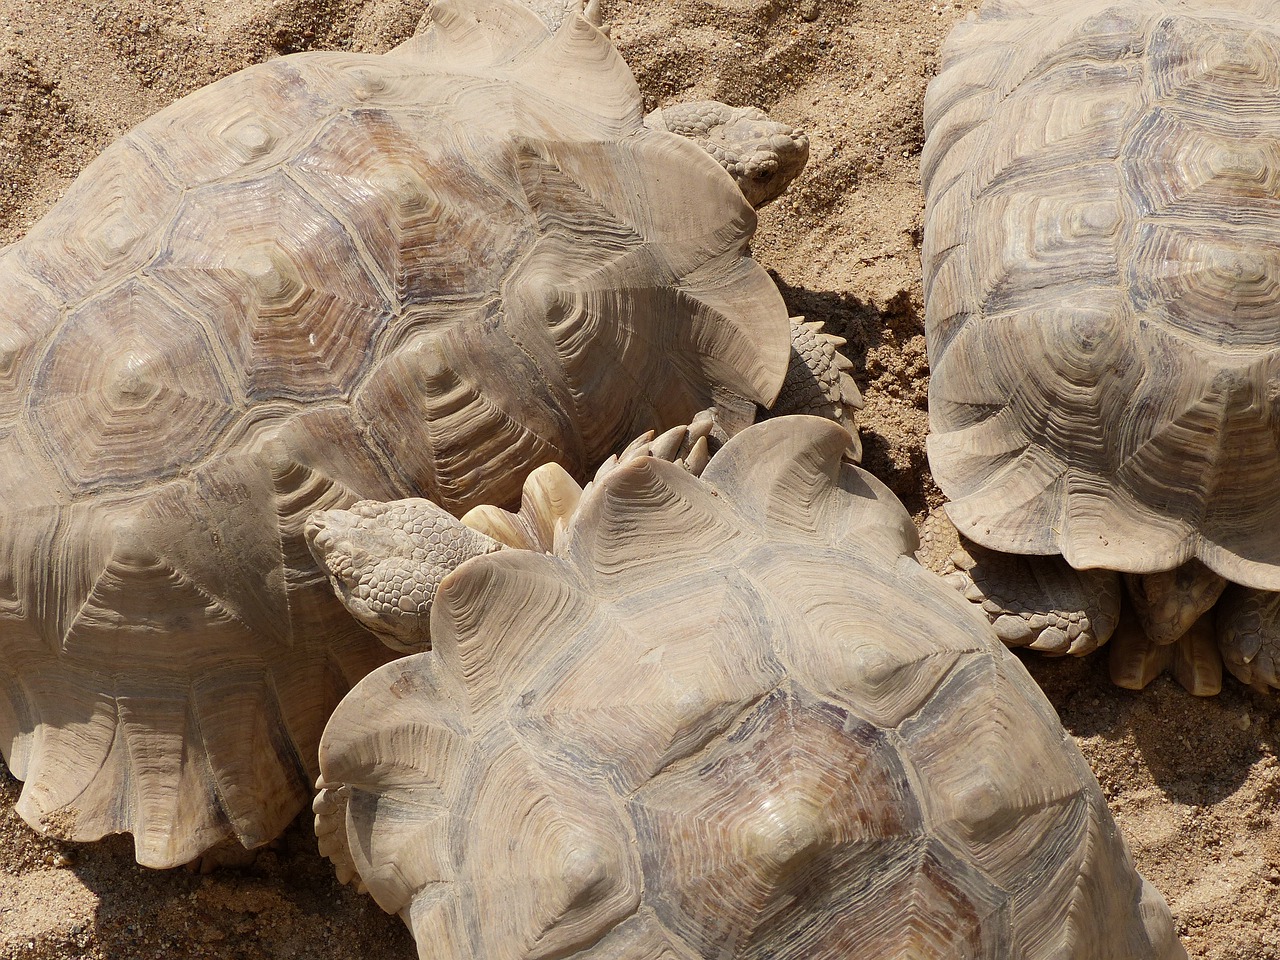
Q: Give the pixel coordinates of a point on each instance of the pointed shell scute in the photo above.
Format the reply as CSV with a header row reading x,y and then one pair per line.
x,y
729,742
240,126
24,327
798,791
105,228
438,216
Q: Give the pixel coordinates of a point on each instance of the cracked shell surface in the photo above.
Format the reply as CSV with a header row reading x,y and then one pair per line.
x,y
326,278
1102,283
725,717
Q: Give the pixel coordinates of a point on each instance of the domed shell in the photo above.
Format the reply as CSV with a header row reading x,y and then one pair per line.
x,y
325,278
728,717
1102,283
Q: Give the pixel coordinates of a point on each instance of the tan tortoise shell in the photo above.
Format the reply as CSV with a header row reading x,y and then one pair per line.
x,y
325,278
725,717
1102,274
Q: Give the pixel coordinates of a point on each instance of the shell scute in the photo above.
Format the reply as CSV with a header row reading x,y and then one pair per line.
x,y
1217,66
281,287
366,81
434,215
676,697
105,228
1045,244
1182,165
32,315
451,438
239,127
736,834
884,669
130,391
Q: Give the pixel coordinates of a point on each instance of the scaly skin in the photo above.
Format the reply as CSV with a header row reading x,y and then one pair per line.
x,y
817,382
762,155
386,560
1037,602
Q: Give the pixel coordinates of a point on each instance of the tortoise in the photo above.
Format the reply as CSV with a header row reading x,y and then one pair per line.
x,y
679,733
328,277
1101,317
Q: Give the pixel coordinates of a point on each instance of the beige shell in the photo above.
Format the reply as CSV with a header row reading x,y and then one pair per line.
x,y
328,277
1102,274
726,717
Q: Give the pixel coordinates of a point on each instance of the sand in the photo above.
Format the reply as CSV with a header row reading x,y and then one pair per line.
x,y
1194,784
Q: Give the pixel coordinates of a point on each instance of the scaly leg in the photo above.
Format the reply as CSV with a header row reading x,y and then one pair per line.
x,y
1037,602
1248,628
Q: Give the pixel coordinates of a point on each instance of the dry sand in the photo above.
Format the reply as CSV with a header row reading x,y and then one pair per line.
x,y
1195,784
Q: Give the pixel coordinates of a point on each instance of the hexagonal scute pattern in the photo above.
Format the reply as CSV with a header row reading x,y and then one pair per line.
x,y
1101,283
439,216
104,229
323,279
280,284
129,371
660,701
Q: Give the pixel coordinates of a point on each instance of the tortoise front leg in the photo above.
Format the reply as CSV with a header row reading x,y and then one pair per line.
x,y
818,382
1039,602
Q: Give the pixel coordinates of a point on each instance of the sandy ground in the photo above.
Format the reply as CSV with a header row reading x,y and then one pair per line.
x,y
1195,784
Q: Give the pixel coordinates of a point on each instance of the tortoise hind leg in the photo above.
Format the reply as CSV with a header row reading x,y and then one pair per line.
x,y
1248,627
1172,629
1193,658
1037,602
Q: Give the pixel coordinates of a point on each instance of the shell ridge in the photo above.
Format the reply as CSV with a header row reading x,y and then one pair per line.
x,y
677,696
115,574
588,76
216,348
641,503
33,805
487,32
380,278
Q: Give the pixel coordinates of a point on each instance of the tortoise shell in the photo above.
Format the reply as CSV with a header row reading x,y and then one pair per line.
x,y
1102,280
328,277
726,717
